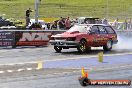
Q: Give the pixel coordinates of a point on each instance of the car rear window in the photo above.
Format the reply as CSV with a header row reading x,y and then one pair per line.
x,y
110,30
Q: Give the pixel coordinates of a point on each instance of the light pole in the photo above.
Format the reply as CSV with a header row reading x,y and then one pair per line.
x,y
36,10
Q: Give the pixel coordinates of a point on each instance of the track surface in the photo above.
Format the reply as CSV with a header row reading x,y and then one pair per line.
x,y
21,55
60,70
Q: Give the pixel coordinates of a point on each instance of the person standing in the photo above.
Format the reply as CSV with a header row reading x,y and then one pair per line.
x,y
116,24
105,21
61,24
28,16
125,24
129,24
67,23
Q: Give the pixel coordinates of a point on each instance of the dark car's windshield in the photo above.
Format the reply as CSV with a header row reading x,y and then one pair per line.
x,y
80,28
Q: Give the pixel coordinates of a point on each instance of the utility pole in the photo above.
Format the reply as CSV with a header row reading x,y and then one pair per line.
x,y
36,10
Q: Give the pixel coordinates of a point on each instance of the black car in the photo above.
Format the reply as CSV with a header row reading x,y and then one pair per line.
x,y
5,22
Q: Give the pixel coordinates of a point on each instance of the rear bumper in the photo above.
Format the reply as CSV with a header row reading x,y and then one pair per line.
x,y
63,43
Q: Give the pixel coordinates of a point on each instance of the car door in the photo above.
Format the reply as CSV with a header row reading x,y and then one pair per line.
x,y
95,36
103,35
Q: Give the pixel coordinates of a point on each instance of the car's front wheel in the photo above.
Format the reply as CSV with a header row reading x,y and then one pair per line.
x,y
82,46
108,46
58,49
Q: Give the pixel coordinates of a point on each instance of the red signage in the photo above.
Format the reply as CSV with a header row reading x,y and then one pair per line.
x,y
32,38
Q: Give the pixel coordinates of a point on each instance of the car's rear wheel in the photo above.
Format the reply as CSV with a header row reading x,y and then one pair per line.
x,y
82,46
108,46
58,49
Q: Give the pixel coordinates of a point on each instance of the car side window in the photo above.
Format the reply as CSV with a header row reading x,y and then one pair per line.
x,y
110,30
102,30
95,30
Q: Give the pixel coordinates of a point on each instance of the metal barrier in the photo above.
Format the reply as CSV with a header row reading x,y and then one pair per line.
x,y
36,37
16,38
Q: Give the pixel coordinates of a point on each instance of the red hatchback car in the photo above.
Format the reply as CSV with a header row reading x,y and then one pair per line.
x,y
85,36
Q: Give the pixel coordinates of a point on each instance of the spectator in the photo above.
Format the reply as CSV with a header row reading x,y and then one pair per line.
x,y
61,23
28,16
115,23
129,24
54,25
125,24
48,25
73,22
76,20
105,21
67,23
98,21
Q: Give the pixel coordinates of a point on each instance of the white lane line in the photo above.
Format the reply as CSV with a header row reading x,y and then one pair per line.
x,y
19,70
29,69
2,72
9,71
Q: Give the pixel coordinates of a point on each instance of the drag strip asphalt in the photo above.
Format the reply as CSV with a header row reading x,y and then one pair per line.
x,y
89,62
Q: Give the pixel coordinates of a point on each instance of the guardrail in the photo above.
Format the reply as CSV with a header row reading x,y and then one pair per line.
x,y
36,38
16,38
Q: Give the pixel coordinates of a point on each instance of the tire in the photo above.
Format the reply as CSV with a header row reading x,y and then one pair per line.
x,y
108,46
82,46
58,49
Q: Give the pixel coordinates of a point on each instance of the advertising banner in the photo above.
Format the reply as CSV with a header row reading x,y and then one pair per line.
x,y
6,38
31,38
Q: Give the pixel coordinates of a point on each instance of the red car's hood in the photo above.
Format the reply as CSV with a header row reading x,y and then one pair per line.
x,y
68,34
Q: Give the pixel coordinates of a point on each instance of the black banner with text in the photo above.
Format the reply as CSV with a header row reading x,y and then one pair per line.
x,y
6,38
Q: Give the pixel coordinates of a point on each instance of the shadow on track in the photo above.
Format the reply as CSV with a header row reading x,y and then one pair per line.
x,y
95,52
91,52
